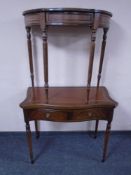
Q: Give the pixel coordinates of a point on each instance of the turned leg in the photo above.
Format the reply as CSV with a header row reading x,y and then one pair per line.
x,y
91,57
29,140
106,139
96,128
37,129
105,30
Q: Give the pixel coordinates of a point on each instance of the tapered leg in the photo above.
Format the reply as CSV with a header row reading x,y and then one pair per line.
x,y
96,128
29,140
106,139
37,129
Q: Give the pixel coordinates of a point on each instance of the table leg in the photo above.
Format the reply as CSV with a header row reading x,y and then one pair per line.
x,y
106,139
96,128
29,140
37,129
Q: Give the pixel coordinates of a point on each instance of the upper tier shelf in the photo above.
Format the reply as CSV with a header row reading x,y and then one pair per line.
x,y
68,17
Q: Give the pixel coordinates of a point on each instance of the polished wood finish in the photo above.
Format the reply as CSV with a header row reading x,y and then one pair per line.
x,y
29,137
96,128
37,130
67,98
102,55
28,29
45,51
29,44
67,104
59,16
91,59
106,139
29,140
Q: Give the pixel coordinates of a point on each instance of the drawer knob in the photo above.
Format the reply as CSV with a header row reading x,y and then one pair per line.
x,y
47,115
90,114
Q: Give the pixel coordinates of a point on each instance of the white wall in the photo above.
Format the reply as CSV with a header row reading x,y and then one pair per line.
x,y
70,49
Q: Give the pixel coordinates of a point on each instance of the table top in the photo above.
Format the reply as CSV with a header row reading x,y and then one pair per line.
x,y
66,10
67,17
67,97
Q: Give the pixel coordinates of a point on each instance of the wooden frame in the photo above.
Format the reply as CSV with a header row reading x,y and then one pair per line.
x,y
81,103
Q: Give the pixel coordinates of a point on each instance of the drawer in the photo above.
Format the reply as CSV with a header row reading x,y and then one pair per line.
x,y
50,116
74,116
93,114
69,18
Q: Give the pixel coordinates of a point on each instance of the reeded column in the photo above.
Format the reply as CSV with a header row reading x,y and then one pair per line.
x,y
91,58
45,55
29,43
105,30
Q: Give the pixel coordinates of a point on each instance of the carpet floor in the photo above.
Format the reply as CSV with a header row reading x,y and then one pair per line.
x,y
65,153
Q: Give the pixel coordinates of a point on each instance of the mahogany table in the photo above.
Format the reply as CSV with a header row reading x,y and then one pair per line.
x,y
67,104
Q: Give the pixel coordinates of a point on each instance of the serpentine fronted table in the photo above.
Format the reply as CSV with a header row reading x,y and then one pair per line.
x,y
67,104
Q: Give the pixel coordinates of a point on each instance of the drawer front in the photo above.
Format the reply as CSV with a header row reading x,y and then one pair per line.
x,y
74,116
49,116
67,18
93,114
